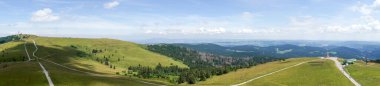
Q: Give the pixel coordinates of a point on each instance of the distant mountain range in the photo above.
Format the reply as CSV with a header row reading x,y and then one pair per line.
x,y
289,49
360,45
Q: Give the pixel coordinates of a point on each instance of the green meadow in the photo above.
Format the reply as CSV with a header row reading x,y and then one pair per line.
x,y
242,75
77,53
315,73
366,75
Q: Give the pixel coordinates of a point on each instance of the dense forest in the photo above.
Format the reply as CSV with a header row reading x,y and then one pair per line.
x,y
376,61
201,65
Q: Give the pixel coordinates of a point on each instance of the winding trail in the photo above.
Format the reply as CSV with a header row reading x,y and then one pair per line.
x,y
94,74
270,73
42,67
89,73
26,52
340,67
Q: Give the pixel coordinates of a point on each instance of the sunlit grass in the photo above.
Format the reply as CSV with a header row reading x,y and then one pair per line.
x,y
366,75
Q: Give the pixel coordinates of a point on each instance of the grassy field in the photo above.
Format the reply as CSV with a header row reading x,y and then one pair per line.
x,y
12,51
366,75
21,74
64,77
30,74
76,53
121,54
316,73
242,75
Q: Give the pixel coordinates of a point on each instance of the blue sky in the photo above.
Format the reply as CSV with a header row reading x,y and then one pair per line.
x,y
194,19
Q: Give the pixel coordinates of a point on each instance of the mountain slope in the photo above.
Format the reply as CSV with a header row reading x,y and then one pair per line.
x,y
367,75
94,62
119,53
245,74
312,73
315,73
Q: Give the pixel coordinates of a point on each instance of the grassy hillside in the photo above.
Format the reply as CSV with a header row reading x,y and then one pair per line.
x,y
104,57
316,73
79,53
242,75
319,72
64,77
12,51
21,74
366,75
30,74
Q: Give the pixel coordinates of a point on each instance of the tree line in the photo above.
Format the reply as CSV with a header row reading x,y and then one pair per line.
x,y
201,65
376,61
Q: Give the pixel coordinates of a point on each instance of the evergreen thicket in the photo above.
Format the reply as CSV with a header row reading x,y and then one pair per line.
x,y
201,65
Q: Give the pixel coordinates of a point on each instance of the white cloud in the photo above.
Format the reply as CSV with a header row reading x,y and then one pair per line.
x,y
218,30
247,15
110,5
367,9
356,28
201,30
372,22
364,9
302,21
44,15
155,32
376,4
244,31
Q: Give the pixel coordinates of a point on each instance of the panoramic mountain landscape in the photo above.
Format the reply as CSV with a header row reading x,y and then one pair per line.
x,y
189,43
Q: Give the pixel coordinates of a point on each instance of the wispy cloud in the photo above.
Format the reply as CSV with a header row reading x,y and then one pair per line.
x,y
44,15
367,9
112,4
247,15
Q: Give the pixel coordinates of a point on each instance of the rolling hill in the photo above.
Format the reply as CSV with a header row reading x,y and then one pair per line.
x,y
313,72
109,62
95,62
367,75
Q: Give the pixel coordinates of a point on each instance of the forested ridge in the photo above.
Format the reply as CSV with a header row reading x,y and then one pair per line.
x,y
201,65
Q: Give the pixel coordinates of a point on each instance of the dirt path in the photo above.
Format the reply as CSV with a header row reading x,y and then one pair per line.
x,y
340,67
42,67
27,54
269,73
92,74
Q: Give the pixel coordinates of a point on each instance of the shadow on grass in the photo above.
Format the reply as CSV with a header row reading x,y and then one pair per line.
x,y
13,54
63,55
